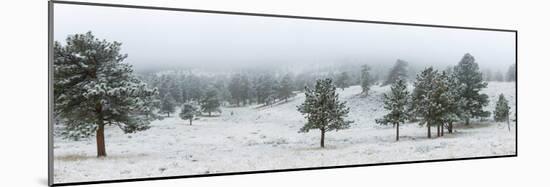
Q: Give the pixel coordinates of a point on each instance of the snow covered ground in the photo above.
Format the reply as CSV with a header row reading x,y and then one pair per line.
x,y
267,138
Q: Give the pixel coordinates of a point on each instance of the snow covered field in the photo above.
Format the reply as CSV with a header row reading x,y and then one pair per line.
x,y
265,138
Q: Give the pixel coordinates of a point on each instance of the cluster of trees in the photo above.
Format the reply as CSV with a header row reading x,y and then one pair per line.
x,y
441,98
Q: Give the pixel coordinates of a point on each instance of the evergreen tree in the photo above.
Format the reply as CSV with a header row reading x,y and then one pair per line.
x,y
396,103
342,81
168,104
398,71
94,88
323,110
511,74
452,110
188,112
428,98
210,102
502,110
366,81
285,89
468,75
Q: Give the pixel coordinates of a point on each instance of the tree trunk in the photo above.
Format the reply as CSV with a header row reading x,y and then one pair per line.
x,y
100,135
190,121
450,127
322,138
210,114
438,131
397,134
100,139
429,130
467,121
168,113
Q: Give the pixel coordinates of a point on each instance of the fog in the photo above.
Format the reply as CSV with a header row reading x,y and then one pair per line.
x,y
160,39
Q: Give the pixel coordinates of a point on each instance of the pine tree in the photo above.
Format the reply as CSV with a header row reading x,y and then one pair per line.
x,y
511,74
342,81
168,104
452,110
396,103
428,98
94,88
210,102
188,112
398,71
285,89
323,110
468,75
366,81
502,110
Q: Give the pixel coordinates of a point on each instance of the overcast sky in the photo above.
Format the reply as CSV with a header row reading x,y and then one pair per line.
x,y
153,38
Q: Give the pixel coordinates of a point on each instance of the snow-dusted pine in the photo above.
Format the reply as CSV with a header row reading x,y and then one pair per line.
x,y
93,88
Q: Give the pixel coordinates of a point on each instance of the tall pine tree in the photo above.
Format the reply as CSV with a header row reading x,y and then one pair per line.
x,y
323,110
396,103
94,88
468,74
428,98
452,109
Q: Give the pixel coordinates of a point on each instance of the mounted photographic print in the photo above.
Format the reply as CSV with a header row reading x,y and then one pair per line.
x,y
139,93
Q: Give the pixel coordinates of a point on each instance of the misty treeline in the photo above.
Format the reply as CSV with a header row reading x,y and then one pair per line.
x,y
238,89
499,76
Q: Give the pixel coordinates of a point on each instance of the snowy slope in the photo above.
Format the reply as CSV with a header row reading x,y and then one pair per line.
x,y
265,138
